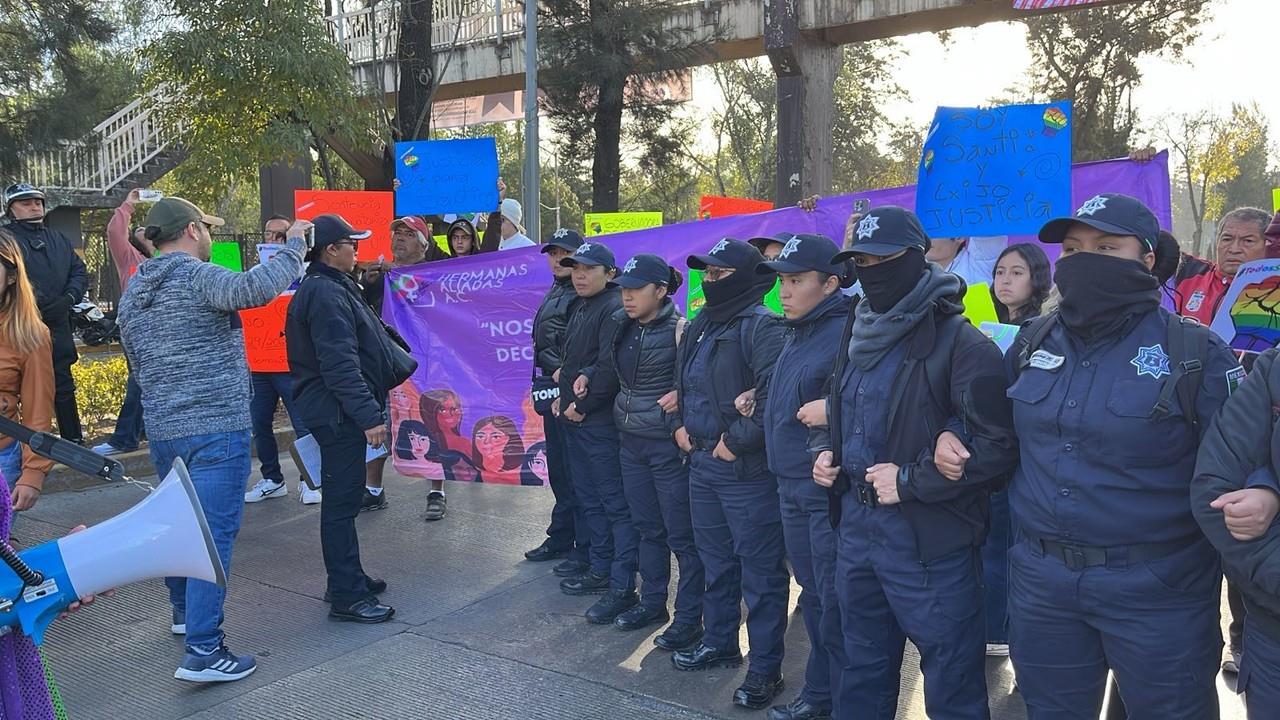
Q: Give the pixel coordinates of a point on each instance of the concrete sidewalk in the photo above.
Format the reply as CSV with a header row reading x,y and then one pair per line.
x,y
479,633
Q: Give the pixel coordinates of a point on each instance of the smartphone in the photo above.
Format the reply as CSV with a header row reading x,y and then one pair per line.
x,y
861,206
148,195
311,236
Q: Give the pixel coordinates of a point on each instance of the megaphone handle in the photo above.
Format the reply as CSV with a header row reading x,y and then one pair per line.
x,y
29,577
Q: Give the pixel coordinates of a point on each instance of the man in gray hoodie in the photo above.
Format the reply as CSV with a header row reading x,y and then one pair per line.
x,y
180,326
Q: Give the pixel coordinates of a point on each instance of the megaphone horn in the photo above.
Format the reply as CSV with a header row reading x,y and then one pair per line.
x,y
164,535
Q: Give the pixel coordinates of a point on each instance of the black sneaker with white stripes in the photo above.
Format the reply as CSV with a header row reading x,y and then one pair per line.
x,y
218,666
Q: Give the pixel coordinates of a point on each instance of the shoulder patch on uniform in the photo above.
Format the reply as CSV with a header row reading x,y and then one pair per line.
x,y
1235,376
1045,360
1197,299
1151,360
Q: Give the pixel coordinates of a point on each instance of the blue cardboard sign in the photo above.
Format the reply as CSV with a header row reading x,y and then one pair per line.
x,y
995,171
446,176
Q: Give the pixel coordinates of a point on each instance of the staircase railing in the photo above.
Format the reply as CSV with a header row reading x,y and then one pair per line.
x,y
369,34
115,149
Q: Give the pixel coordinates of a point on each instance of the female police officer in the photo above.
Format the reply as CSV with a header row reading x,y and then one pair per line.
x,y
908,556
654,474
731,347
588,383
1110,569
815,312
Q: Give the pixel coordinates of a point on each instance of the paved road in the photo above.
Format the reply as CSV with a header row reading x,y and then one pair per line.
x,y
479,633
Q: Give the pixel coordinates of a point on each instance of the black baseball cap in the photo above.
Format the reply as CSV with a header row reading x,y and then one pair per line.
x,y
1112,213
728,253
763,241
564,238
644,269
590,253
884,231
803,253
330,229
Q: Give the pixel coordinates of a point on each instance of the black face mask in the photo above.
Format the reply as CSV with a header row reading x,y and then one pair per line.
x,y
1102,293
731,295
888,282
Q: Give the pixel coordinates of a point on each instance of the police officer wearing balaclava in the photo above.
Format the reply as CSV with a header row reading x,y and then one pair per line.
x,y
908,560
731,348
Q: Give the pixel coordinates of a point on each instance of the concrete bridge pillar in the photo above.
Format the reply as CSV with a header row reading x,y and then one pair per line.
x,y
806,69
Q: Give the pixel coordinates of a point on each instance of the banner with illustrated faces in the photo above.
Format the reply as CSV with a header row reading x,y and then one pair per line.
x,y
467,414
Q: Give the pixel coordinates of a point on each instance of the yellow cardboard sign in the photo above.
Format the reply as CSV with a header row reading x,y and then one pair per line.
x,y
608,223
1275,200
978,305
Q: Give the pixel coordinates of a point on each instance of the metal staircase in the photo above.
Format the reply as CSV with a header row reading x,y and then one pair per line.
x,y
127,150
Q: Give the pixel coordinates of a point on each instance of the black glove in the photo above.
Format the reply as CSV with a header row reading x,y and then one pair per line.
x,y
57,307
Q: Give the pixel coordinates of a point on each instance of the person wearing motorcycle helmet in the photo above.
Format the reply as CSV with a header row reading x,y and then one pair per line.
x,y
59,279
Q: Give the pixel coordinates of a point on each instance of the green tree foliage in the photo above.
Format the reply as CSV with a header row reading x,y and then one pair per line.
x,y
58,78
869,149
1091,57
1207,149
602,60
246,83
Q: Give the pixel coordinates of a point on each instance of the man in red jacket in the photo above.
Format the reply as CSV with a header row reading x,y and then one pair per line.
x,y
1200,285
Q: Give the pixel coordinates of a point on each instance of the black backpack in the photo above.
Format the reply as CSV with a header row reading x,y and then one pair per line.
x,y
1188,354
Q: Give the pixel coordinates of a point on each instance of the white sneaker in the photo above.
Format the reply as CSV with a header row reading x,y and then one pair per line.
x,y
997,650
266,489
307,495
107,449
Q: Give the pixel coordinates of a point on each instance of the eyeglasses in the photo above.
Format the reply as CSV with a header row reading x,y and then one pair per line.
x,y
270,235
714,273
353,243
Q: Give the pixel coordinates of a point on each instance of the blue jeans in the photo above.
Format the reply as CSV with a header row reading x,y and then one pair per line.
x,y
11,463
219,466
268,390
129,422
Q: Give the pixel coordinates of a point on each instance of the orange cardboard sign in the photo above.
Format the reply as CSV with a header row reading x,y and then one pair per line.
x,y
264,344
364,210
714,206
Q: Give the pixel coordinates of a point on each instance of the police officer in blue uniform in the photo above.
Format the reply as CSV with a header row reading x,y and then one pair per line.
x,y
918,377
588,383
815,312
567,535
654,473
1109,569
731,347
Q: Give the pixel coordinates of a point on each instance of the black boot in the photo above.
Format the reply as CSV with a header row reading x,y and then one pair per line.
x,y
799,709
758,690
679,636
587,583
640,617
609,607
544,552
570,569
703,657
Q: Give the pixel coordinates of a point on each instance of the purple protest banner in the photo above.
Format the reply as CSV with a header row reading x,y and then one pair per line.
x,y
466,413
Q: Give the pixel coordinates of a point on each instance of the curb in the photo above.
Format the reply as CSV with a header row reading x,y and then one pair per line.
x,y
136,464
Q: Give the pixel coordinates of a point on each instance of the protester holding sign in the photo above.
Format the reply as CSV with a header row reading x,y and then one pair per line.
x,y
919,378
815,312
588,382
654,474
512,231
1201,287
1110,395
269,390
972,258
129,246
1235,497
567,535
343,373
731,348
410,245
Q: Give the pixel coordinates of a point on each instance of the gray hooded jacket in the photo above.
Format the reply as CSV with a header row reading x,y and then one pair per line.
x,y
181,331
